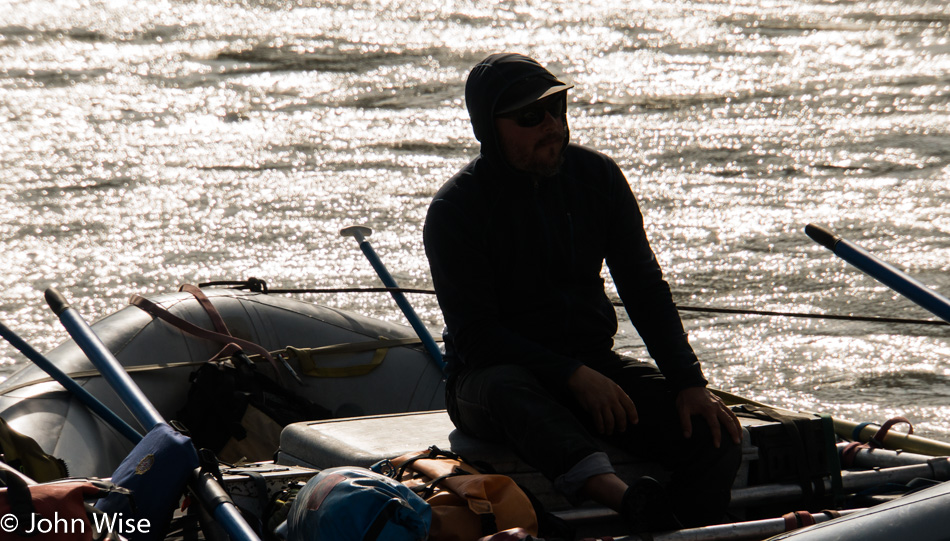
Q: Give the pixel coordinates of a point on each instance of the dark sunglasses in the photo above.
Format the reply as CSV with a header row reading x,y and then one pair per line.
x,y
534,114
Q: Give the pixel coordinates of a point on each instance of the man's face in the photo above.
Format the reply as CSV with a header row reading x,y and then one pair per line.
x,y
532,138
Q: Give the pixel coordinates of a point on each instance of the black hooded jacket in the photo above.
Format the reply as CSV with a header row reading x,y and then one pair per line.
x,y
516,263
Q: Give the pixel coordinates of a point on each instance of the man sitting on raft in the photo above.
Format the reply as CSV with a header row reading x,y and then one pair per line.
x,y
516,242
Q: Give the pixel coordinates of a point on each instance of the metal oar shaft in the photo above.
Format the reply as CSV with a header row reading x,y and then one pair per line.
x,y
70,385
851,482
107,364
855,431
359,232
852,430
756,529
401,301
207,489
881,271
204,486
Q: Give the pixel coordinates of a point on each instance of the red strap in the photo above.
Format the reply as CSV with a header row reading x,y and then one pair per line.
x,y
797,519
877,440
832,513
849,452
205,303
200,332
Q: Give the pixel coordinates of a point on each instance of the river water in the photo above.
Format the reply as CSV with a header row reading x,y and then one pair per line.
x,y
146,144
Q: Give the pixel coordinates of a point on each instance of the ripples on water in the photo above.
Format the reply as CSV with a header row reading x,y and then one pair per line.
x,y
149,144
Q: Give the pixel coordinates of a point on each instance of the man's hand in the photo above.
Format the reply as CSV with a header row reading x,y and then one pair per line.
x,y
609,407
699,401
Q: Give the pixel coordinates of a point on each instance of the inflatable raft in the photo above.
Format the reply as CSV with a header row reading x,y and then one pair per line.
x,y
382,395
362,366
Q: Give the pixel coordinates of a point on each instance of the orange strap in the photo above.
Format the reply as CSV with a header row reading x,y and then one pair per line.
x,y
797,519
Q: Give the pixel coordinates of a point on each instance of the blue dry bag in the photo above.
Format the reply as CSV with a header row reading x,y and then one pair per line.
x,y
356,504
155,472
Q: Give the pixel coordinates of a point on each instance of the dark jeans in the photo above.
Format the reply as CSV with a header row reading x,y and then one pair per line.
x,y
549,430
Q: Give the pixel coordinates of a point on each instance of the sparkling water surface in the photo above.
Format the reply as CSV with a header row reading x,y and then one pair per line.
x,y
149,144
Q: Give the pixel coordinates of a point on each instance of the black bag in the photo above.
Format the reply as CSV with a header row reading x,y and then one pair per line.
x,y
238,412
794,448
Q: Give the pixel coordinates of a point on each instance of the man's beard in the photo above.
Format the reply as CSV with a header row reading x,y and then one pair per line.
x,y
544,168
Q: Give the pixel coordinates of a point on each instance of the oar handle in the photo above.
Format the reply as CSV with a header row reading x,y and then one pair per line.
x,y
881,271
107,364
822,235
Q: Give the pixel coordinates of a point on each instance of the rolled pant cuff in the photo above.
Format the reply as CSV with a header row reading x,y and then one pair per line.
x,y
570,483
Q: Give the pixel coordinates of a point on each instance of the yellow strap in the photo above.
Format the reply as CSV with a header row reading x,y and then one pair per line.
x,y
309,367
357,347
306,356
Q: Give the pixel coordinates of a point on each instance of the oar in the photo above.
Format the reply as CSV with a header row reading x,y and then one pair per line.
x,y
854,431
70,385
360,233
204,485
737,531
881,271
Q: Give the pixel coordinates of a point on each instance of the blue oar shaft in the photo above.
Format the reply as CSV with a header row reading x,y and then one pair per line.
x,y
223,508
70,385
108,365
881,271
427,341
207,489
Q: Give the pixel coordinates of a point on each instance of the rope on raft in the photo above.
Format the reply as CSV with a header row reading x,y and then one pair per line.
x,y
260,286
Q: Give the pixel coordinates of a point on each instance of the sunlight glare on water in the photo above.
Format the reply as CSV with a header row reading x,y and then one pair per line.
x,y
150,144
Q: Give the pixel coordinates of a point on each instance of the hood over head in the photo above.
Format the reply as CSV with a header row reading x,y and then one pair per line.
x,y
501,83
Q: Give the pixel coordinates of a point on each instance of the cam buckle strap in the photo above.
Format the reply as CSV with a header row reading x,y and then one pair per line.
x,y
850,451
201,332
798,519
876,441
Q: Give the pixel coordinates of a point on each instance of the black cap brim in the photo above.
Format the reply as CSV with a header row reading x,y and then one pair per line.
x,y
529,92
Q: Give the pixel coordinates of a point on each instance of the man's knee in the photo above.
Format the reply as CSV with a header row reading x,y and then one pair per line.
x,y
503,385
702,436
